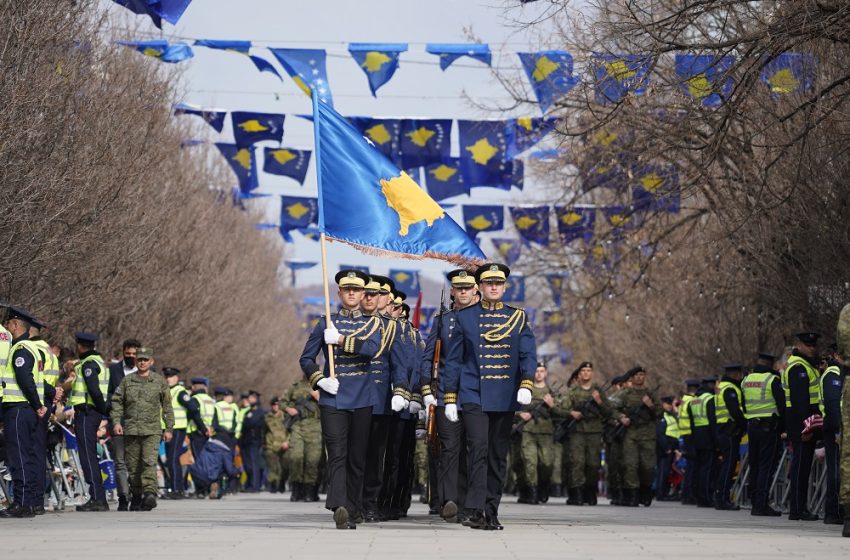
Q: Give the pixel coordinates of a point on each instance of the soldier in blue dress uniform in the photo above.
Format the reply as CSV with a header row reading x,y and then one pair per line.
x,y
489,372
345,399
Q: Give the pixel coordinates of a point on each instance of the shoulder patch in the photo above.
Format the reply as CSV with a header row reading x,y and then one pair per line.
x,y
802,373
19,361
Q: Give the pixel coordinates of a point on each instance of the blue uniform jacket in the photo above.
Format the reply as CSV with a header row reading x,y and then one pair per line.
x,y
388,369
410,346
362,340
491,355
445,327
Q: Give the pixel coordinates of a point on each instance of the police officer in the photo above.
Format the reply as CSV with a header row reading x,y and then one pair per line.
x,y
451,477
346,398
50,363
800,384
23,405
688,451
201,426
301,406
489,371
829,402
225,416
764,405
703,422
184,408
251,442
667,438
731,425
89,384
638,411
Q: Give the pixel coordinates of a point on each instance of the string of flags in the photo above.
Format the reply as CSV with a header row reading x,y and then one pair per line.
x,y
705,78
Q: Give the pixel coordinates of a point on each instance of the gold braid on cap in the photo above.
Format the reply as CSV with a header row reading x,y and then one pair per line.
x,y
503,331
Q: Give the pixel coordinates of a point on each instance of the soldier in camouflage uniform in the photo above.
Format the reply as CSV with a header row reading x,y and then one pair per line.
x,y
586,410
614,445
843,350
275,446
143,401
638,411
536,438
305,441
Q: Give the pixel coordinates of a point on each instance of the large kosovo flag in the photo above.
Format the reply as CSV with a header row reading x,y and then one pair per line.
x,y
370,203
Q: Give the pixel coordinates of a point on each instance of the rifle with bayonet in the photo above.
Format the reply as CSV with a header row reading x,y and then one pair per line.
x,y
567,425
431,436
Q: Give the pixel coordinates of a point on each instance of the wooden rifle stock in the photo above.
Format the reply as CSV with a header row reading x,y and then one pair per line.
x,y
431,429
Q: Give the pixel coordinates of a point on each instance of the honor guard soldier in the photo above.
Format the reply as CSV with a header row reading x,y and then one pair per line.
x,y
185,408
639,410
489,371
764,409
829,402
688,452
731,425
23,406
451,482
346,399
89,384
800,384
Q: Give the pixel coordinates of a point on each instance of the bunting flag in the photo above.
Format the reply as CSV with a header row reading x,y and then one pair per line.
x,y
243,162
307,68
449,52
509,249
266,226
600,258
483,149
288,162
556,284
554,323
394,215
378,60
426,319
191,142
656,188
706,77
311,321
525,132
240,47
249,128
479,219
361,268
424,142
515,290
311,233
406,281
532,223
620,218
790,73
550,74
239,196
161,49
384,134
575,222
158,10
607,172
213,117
618,75
297,212
531,316
444,179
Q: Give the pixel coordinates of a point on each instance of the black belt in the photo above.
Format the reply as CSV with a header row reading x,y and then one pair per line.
x,y
764,420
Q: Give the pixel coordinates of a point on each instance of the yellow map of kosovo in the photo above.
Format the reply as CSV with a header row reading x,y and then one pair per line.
x,y
410,202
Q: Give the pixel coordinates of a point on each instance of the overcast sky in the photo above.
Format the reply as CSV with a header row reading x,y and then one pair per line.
x,y
418,89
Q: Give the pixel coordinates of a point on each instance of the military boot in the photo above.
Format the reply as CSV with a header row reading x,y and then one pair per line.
x,y
532,495
148,501
312,494
135,503
630,497
556,491
574,497
543,493
123,504
590,495
846,531
297,494
522,495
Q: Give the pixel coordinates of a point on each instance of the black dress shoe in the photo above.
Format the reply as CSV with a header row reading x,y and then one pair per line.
x,y
727,506
803,516
135,503
476,520
449,512
123,505
493,524
20,512
832,520
341,518
433,510
846,531
10,511
357,518
371,516
39,510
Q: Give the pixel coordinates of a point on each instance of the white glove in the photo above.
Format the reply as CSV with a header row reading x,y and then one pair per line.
x,y
423,415
420,434
330,385
414,407
397,403
451,412
523,396
331,336
429,400
820,453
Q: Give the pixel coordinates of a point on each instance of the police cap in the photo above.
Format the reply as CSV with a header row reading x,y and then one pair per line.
x,y
200,381
85,337
767,356
709,379
22,314
350,278
220,391
667,399
692,382
492,272
731,368
170,371
243,395
808,338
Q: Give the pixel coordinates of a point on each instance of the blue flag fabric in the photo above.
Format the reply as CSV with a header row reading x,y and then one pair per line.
x,y
550,74
556,284
600,257
288,162
444,179
311,321
532,223
515,290
311,233
656,188
554,323
405,280
298,265
239,196
790,73
424,142
163,50
618,75
213,117
249,128
620,218
394,214
606,172
243,162
378,60
449,52
240,47
525,132
158,10
307,68
297,212
483,154
479,219
705,78
384,134
575,222
509,249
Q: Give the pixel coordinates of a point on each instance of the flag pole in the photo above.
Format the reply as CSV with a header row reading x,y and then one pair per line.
x,y
328,323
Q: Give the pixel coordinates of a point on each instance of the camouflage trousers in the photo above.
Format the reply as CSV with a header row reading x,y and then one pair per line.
x,y
557,463
537,460
844,448
638,462
420,462
585,451
305,451
614,462
140,453
277,466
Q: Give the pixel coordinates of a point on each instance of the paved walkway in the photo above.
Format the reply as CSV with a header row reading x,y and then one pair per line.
x,y
251,526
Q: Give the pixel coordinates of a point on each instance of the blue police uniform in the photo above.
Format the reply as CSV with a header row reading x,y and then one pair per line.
x,y
831,385
345,416
492,354
800,405
728,437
